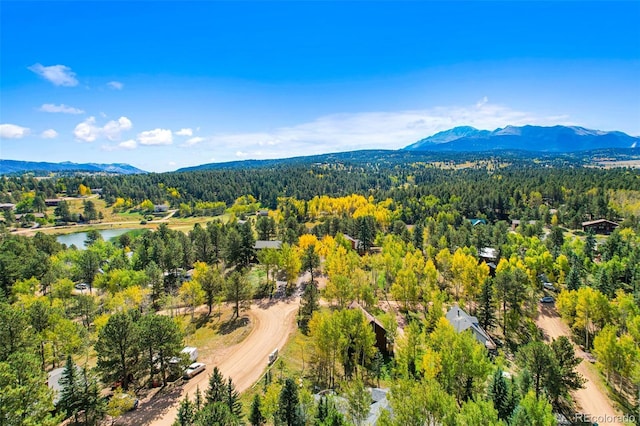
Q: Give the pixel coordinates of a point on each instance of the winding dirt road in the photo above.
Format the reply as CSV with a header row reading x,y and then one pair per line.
x,y
593,404
273,322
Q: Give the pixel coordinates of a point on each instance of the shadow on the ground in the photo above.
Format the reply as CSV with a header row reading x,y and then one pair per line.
x,y
153,408
230,326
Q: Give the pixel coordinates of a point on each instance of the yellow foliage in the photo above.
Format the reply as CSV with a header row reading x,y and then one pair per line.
x,y
307,240
84,190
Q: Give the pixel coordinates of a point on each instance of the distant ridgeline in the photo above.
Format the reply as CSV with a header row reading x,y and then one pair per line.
x,y
44,168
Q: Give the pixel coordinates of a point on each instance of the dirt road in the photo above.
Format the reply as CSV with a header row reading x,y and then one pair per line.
x,y
273,323
592,401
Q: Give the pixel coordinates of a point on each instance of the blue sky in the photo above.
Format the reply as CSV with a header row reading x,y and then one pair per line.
x,y
163,85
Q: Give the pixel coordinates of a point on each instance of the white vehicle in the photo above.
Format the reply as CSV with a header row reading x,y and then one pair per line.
x,y
549,286
194,369
191,352
81,286
273,356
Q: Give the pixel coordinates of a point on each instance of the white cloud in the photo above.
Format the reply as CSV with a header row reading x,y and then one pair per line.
x,y
372,130
59,75
194,141
13,131
49,134
128,144
88,131
116,85
65,109
156,137
184,132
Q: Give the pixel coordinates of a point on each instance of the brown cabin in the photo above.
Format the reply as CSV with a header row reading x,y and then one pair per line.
x,y
378,330
600,226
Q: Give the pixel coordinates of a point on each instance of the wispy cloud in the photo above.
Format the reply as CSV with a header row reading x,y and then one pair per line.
x,y
371,130
193,141
88,131
126,145
49,134
59,75
156,137
116,85
65,109
13,131
185,132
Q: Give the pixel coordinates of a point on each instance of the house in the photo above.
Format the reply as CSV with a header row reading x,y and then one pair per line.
x,y
517,222
600,226
52,202
378,329
262,213
7,206
462,321
264,244
160,208
379,402
488,254
355,243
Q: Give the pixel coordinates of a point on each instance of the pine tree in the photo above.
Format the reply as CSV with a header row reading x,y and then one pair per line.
x,y
288,404
186,413
499,394
255,417
93,404
216,390
573,278
487,309
233,400
71,392
198,399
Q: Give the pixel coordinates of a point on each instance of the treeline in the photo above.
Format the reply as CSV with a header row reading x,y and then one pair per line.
x,y
500,192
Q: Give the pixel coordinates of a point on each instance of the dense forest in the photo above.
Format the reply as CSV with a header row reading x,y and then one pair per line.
x,y
403,241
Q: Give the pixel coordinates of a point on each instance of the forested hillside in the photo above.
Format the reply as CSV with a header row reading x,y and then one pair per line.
x,y
357,247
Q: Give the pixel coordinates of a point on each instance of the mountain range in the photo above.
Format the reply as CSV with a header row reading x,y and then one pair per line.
x,y
463,139
14,166
527,138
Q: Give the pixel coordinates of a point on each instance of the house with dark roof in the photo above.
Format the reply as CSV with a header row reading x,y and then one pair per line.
x,y
600,226
461,321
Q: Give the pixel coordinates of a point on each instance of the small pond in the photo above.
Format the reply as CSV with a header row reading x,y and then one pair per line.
x,y
78,238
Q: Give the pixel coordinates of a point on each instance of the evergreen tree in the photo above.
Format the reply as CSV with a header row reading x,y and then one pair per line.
x,y
247,242
310,260
573,278
238,291
93,404
487,306
186,413
255,417
288,404
565,378
71,390
499,394
418,236
118,349
216,391
233,399
216,414
589,244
